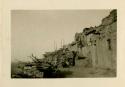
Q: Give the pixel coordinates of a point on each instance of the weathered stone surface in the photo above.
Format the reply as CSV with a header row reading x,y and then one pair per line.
x,y
99,43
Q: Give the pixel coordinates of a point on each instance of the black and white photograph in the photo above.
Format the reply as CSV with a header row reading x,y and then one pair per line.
x,y
79,43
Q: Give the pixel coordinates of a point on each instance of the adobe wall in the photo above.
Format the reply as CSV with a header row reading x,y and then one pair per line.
x,y
99,43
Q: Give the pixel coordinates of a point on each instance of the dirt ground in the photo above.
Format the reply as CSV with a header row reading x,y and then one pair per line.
x,y
79,71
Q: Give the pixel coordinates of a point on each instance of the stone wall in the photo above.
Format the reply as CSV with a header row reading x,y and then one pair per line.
x,y
99,43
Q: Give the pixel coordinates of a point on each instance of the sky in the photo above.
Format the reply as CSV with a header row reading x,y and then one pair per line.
x,y
36,31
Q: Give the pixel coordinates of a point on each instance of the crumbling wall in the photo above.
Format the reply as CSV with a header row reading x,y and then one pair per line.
x,y
99,43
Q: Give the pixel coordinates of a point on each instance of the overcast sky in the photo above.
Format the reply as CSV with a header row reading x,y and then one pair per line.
x,y
34,31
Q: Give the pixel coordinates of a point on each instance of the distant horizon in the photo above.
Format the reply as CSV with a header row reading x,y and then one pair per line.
x,y
36,31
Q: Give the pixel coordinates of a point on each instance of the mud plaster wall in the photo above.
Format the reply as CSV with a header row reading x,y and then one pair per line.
x,y
103,54
101,49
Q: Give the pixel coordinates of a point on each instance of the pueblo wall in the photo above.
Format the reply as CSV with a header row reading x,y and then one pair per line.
x,y
98,43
